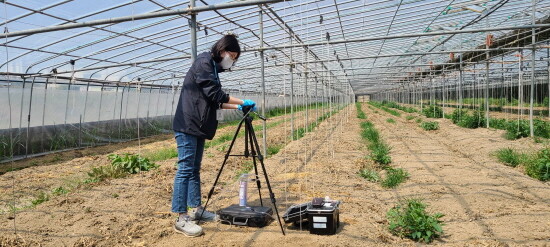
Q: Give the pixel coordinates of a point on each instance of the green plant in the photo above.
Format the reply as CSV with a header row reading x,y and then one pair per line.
x,y
40,198
476,120
457,115
131,163
418,120
380,153
101,173
394,177
369,174
369,133
390,120
59,191
360,112
223,147
408,118
274,149
162,154
247,167
410,219
539,165
430,125
517,129
379,150
55,158
433,111
541,128
508,156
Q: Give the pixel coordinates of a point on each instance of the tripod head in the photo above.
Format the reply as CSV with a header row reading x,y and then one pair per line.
x,y
248,109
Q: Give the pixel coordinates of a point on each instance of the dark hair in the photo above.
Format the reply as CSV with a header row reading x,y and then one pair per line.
x,y
228,42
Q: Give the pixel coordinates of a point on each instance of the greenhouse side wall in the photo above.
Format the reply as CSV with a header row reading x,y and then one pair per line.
x,y
39,118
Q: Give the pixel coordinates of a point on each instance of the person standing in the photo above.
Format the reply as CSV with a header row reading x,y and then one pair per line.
x,y
194,121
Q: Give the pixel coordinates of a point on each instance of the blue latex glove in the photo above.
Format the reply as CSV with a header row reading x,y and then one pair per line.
x,y
248,102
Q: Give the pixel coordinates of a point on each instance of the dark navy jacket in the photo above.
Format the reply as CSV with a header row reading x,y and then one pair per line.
x,y
201,95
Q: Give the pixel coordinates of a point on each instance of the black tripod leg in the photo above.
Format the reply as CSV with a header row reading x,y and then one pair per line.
x,y
248,125
271,194
221,168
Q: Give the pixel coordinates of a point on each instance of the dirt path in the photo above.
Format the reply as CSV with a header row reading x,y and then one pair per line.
x,y
485,203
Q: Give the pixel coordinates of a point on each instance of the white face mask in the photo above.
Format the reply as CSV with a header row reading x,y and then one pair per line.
x,y
227,62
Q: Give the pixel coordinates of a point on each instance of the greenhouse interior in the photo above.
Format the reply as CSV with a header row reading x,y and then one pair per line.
x,y
334,123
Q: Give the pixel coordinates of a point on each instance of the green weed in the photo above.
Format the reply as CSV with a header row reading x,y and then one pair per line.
x,y
131,163
360,112
429,126
121,166
394,177
274,149
59,191
246,168
162,154
509,157
539,165
380,153
418,120
409,219
390,120
433,111
223,147
410,117
369,174
40,198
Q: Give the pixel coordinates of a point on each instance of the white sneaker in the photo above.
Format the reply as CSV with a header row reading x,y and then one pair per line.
x,y
187,227
195,214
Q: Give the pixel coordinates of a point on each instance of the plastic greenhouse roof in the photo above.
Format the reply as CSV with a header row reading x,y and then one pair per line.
x,y
115,52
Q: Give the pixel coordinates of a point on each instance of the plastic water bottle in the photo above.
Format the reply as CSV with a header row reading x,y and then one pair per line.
x,y
243,190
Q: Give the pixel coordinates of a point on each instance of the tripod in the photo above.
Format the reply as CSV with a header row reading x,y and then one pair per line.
x,y
251,149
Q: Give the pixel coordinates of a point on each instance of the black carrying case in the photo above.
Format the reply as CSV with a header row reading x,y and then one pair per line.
x,y
297,213
254,216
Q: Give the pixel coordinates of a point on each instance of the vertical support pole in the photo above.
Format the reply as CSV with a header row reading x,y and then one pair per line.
x,y
532,89
137,116
548,76
444,91
291,94
520,84
306,93
193,29
460,81
421,96
316,103
487,57
262,74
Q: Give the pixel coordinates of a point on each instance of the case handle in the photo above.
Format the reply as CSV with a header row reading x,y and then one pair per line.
x,y
240,223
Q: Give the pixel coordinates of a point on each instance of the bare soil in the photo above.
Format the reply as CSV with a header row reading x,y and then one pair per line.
x,y
453,168
485,203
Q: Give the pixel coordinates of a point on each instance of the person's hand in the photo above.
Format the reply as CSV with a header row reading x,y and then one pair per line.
x,y
248,103
240,107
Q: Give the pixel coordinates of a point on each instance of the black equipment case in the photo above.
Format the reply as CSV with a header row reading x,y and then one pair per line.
x,y
297,213
254,216
324,220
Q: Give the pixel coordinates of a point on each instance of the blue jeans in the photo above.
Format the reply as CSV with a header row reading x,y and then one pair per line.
x,y
187,183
